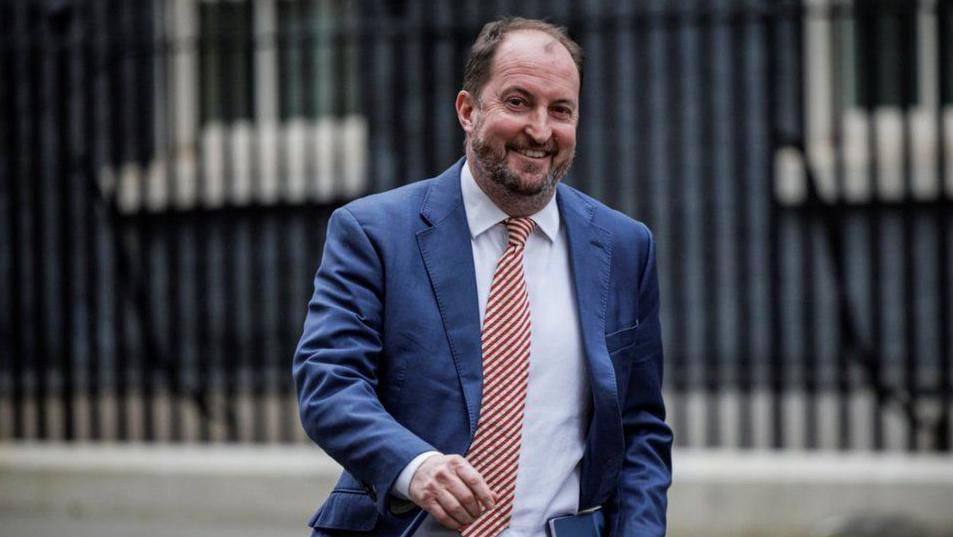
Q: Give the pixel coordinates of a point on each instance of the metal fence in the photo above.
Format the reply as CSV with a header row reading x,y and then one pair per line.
x,y
167,169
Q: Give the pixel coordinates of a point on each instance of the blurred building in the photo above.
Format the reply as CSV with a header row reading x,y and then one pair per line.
x,y
168,167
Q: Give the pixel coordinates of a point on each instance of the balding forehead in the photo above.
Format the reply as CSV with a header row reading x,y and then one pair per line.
x,y
550,46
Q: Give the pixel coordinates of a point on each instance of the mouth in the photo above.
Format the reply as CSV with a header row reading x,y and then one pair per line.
x,y
532,153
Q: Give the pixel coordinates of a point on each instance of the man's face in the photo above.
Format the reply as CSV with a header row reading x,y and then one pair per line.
x,y
522,133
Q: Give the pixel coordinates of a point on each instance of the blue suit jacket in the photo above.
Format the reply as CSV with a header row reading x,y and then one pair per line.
x,y
389,364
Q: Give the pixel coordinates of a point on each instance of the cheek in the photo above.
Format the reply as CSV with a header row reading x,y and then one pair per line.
x,y
503,128
566,137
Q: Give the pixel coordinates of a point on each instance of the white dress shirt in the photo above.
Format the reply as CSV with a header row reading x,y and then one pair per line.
x,y
558,399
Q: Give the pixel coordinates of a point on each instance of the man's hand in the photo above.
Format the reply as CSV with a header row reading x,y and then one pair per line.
x,y
451,490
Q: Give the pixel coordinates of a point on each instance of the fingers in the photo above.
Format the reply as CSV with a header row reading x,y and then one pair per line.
x,y
451,490
476,484
457,513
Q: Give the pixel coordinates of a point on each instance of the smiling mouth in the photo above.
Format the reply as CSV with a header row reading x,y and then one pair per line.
x,y
532,153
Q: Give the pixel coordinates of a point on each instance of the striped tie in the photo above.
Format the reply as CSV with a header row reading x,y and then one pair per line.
x,y
505,339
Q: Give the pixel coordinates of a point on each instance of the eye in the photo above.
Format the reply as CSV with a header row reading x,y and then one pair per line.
x,y
562,112
516,102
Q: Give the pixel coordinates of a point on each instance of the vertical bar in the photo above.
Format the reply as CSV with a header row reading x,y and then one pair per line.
x,y
611,122
445,68
291,36
205,356
16,123
224,365
235,315
61,163
309,39
811,228
9,254
290,309
906,18
174,344
429,66
942,221
368,79
139,128
707,57
354,96
278,233
776,365
222,360
89,257
338,68
173,230
677,260
644,116
38,227
286,66
258,312
741,171
230,220
626,89
208,50
297,221
398,95
296,236
117,157
838,20
284,285
257,324
412,141
338,63
867,25
591,139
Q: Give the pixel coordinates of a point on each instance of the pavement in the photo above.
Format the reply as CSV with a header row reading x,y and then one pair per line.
x,y
240,490
41,526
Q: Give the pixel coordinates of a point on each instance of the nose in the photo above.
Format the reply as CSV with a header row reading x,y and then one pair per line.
x,y
538,127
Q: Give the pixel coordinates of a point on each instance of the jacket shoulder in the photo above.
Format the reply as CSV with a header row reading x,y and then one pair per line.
x,y
619,225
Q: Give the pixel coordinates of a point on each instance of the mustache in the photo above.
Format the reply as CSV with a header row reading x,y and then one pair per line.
x,y
548,148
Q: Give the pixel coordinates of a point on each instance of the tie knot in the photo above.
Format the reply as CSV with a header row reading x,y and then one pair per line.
x,y
518,229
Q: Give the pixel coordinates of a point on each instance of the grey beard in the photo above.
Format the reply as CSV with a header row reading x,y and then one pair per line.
x,y
494,166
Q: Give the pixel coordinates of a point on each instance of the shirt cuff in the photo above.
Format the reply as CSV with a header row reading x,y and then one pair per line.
x,y
402,485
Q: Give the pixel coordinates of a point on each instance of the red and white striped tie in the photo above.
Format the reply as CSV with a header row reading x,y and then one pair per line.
x,y
505,340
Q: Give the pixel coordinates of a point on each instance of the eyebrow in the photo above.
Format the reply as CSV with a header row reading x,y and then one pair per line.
x,y
526,93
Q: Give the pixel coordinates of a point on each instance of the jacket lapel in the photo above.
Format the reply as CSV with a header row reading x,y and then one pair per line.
x,y
590,253
448,257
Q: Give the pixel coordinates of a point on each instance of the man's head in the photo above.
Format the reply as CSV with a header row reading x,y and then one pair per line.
x,y
519,107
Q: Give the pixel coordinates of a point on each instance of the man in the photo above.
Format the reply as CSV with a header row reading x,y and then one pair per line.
x,y
483,348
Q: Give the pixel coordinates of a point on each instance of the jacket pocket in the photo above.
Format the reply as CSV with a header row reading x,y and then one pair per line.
x,y
346,510
621,339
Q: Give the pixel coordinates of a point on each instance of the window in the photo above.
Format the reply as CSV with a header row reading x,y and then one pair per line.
x,y
885,58
878,76
259,102
226,61
945,26
317,59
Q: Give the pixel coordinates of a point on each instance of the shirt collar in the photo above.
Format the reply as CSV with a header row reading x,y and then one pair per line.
x,y
482,213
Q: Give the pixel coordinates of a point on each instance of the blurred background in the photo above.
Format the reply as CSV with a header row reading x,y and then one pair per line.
x,y
167,168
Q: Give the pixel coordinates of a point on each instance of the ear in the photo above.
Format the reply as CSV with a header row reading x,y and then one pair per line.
x,y
466,107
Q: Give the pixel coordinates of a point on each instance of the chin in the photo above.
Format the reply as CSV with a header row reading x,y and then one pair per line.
x,y
531,175
531,185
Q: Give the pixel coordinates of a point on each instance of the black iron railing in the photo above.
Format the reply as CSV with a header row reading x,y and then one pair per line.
x,y
167,169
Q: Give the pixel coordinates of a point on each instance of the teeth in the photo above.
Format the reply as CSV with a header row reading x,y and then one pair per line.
x,y
533,154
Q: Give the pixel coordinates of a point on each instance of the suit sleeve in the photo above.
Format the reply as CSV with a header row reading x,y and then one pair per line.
x,y
337,362
641,502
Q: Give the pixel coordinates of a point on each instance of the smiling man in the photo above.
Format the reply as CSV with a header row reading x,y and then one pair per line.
x,y
482,352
